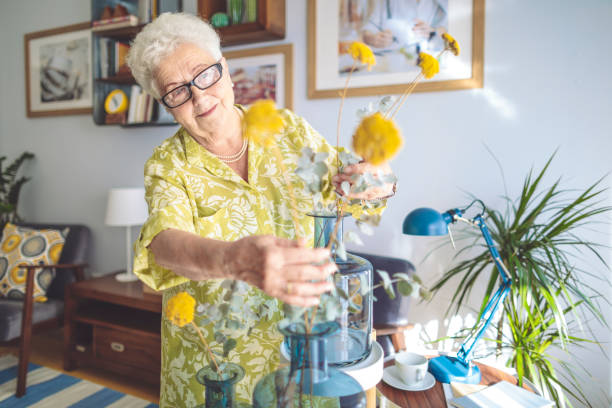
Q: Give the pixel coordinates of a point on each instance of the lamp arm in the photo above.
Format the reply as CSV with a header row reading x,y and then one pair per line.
x,y
465,352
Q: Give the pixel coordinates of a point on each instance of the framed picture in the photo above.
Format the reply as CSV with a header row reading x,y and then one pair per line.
x,y
262,73
58,71
396,31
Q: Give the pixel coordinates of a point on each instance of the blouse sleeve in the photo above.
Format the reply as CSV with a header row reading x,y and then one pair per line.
x,y
169,207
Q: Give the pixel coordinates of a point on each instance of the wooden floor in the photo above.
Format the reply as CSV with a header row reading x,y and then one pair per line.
x,y
47,351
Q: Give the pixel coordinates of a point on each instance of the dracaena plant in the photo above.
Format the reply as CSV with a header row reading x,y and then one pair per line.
x,y
539,237
10,188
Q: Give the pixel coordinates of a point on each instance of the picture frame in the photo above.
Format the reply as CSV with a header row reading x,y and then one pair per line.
x,y
58,71
396,64
264,72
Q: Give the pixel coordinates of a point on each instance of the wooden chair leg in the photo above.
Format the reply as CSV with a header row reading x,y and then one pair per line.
x,y
26,335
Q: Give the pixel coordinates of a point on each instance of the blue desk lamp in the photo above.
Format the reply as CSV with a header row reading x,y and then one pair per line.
x,y
426,221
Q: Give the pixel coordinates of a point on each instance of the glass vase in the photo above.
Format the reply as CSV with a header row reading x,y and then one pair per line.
x,y
352,342
309,380
220,392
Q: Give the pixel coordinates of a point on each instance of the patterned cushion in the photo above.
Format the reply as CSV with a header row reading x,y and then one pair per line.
x,y
22,245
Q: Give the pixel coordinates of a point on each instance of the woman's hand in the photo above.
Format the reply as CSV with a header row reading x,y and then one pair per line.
x,y
281,268
371,193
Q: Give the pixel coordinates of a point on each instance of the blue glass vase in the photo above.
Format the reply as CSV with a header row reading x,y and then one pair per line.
x,y
220,392
309,380
352,342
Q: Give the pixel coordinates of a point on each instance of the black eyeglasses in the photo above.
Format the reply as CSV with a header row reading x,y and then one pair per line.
x,y
205,79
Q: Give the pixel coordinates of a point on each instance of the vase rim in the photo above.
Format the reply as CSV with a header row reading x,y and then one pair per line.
x,y
314,214
319,330
237,374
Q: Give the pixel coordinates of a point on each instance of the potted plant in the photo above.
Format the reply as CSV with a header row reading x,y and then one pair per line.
x,y
10,188
538,238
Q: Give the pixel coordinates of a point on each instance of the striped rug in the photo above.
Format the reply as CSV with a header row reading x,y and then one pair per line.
x,y
52,389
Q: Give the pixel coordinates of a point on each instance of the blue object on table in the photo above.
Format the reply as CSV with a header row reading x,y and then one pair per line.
x,y
426,221
309,379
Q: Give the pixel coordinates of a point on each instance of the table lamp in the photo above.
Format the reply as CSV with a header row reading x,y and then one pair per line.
x,y
126,207
427,221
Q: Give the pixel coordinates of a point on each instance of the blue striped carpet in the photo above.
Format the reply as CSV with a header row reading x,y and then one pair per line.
x,y
52,389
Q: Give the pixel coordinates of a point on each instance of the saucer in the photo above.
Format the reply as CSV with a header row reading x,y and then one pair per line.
x,y
391,377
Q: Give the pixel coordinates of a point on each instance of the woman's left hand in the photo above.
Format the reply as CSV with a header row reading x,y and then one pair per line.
x,y
371,193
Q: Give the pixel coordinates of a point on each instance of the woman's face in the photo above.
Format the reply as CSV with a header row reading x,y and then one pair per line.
x,y
206,113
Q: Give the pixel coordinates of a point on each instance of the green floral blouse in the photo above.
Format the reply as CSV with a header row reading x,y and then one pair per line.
x,y
189,189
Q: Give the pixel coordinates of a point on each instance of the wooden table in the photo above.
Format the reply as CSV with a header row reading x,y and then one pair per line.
x,y
113,325
434,397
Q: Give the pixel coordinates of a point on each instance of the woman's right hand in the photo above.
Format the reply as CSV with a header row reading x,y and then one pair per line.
x,y
281,268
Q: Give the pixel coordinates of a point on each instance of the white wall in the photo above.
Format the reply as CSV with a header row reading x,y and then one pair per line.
x,y
546,86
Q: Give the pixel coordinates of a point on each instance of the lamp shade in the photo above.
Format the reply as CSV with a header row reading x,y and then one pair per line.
x,y
426,221
125,207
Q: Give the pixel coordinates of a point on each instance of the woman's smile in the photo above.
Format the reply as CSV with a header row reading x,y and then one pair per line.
x,y
208,112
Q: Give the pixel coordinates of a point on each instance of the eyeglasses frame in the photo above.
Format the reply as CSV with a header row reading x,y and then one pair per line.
x,y
192,83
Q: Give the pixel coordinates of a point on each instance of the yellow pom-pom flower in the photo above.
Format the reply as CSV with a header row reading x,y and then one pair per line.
x,y
362,53
429,65
377,139
262,121
450,43
180,309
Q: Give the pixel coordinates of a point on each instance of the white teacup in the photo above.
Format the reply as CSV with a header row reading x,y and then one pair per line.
x,y
411,367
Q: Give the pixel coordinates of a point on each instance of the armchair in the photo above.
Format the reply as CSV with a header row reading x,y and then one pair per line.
x,y
390,316
19,318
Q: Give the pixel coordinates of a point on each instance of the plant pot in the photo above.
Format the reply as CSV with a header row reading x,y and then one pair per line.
x,y
309,380
220,391
352,341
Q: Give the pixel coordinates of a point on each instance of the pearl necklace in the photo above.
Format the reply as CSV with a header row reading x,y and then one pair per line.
x,y
234,157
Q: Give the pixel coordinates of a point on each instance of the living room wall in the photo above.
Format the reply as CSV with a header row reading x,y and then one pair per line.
x,y
547,86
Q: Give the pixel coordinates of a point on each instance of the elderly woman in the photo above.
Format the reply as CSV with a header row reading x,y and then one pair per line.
x,y
218,206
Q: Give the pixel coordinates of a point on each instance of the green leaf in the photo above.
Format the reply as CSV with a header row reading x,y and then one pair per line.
x,y
228,346
404,288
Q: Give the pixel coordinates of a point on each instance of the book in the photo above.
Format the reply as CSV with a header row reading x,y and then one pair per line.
x,y
135,91
502,395
115,22
121,51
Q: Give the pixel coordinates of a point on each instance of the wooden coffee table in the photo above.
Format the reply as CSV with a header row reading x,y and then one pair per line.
x,y
434,397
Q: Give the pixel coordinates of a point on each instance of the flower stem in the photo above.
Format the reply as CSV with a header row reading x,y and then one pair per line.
x,y
348,78
212,358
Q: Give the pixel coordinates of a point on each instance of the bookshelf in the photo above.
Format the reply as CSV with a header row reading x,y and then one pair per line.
x,y
110,45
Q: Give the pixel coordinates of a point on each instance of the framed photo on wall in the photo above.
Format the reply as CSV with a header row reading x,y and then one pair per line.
x,y
58,71
262,73
396,31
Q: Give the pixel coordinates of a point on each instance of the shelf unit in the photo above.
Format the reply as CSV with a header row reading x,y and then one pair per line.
x,y
270,25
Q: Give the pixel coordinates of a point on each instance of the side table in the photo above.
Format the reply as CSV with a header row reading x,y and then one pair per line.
x,y
434,397
113,325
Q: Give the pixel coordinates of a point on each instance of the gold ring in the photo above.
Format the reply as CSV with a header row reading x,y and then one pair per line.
x,y
289,288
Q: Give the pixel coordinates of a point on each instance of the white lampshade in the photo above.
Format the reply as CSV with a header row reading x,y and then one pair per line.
x,y
125,207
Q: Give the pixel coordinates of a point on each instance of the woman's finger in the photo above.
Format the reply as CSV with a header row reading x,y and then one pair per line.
x,y
299,273
293,256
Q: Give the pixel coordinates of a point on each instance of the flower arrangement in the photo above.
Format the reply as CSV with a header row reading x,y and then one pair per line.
x,y
376,140
232,318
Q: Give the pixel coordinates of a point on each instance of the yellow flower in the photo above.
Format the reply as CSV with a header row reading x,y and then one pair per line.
x,y
450,43
376,139
180,309
362,53
429,65
262,121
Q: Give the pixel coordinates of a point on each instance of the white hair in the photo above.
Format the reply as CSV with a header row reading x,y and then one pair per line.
x,y
160,38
